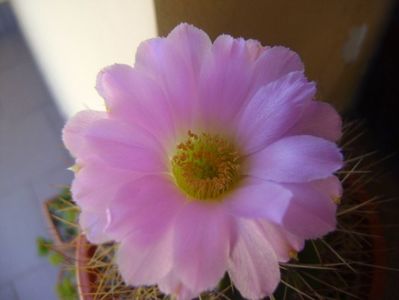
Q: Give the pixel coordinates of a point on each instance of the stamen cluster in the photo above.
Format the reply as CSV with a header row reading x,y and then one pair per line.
x,y
205,166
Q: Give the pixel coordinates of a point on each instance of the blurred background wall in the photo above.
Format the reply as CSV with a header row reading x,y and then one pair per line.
x,y
72,40
336,39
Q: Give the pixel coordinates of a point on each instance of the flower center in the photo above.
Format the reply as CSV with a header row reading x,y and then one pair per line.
x,y
205,166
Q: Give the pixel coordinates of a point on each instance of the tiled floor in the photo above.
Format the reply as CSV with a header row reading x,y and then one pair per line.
x,y
33,166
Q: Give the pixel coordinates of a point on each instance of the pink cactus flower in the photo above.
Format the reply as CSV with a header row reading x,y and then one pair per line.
x,y
211,158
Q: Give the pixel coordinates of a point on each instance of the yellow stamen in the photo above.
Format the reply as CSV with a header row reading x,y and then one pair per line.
x,y
75,168
336,200
293,254
205,166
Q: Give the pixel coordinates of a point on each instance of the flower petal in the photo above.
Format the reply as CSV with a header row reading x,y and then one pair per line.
x,y
145,264
124,147
75,128
144,208
319,119
255,49
93,188
273,110
136,99
282,242
174,63
225,79
192,44
259,199
253,265
296,159
93,223
311,213
274,63
171,285
95,184
202,242
330,186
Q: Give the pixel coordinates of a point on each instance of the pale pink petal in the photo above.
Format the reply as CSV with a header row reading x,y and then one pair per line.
x,y
202,242
313,200
319,119
144,208
93,223
253,265
160,61
185,41
273,110
259,199
311,213
185,294
235,70
76,127
192,44
171,285
95,184
274,63
145,264
225,79
174,62
297,242
299,158
136,99
124,147
93,188
280,240
255,49
330,186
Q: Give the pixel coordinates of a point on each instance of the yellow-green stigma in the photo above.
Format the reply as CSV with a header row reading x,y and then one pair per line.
x,y
205,166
